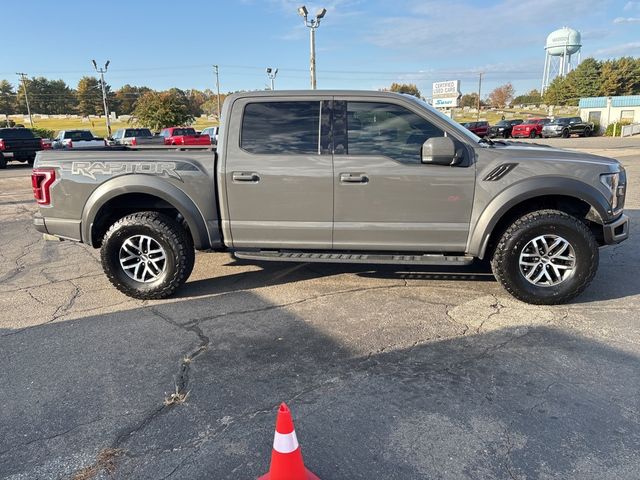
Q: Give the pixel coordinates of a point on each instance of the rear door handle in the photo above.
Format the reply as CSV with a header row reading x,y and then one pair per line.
x,y
353,178
250,177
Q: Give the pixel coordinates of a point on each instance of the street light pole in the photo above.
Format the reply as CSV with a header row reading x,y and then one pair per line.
x,y
23,77
479,91
271,73
313,25
102,71
215,69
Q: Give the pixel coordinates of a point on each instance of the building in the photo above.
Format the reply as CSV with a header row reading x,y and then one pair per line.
x,y
606,110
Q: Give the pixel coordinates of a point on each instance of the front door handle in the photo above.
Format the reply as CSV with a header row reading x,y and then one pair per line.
x,y
353,178
250,177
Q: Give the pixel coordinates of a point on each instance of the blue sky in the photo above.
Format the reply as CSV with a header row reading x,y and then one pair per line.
x,y
361,44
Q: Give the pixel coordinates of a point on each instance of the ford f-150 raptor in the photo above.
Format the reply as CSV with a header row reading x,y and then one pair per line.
x,y
339,176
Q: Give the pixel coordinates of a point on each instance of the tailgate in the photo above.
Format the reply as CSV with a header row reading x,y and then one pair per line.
x,y
22,144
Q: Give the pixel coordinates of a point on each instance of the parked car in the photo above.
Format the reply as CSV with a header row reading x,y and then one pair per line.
x,y
566,126
136,136
213,134
530,128
77,139
479,128
402,185
184,136
503,128
18,144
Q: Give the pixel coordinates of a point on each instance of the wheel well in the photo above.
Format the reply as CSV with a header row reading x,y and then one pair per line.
x,y
126,204
570,205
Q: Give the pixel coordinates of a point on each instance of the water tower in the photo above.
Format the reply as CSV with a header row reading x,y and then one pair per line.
x,y
560,49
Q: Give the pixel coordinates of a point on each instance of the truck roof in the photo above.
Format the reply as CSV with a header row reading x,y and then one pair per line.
x,y
319,93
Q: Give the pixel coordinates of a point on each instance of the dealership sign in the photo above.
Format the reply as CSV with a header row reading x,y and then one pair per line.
x,y
446,94
450,88
445,102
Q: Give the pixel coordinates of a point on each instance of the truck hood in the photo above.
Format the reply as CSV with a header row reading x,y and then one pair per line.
x,y
526,151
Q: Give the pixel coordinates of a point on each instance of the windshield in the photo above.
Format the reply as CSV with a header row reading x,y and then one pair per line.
x,y
561,121
502,123
455,125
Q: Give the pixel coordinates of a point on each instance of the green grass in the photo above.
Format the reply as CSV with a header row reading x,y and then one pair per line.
x,y
97,126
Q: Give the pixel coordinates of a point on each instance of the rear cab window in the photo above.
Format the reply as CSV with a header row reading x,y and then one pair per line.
x,y
15,133
78,135
138,132
289,127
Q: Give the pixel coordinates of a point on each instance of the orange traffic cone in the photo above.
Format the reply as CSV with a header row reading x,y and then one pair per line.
x,y
286,457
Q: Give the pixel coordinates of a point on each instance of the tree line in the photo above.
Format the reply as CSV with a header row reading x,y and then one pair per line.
x,y
51,97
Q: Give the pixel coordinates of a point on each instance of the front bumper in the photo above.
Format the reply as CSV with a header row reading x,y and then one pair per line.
x,y
551,133
616,231
495,134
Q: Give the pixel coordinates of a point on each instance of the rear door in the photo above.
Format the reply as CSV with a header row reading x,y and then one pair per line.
x,y
385,198
279,174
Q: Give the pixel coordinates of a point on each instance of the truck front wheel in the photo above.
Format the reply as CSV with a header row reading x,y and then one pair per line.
x,y
147,255
546,257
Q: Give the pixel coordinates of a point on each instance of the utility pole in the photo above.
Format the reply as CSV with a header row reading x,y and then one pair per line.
x,y
313,25
271,73
23,77
215,69
102,71
479,93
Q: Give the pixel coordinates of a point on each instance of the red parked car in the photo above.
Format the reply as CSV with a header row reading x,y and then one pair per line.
x,y
184,136
530,128
479,128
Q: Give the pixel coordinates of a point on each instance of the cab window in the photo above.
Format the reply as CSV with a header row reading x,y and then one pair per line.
x,y
387,129
281,127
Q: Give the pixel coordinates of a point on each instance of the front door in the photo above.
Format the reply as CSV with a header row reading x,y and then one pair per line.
x,y
385,198
279,175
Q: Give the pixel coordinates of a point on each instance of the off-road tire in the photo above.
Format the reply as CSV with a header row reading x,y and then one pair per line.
x,y
587,132
173,238
505,260
566,133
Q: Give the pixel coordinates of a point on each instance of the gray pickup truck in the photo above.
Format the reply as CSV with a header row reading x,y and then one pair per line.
x,y
339,176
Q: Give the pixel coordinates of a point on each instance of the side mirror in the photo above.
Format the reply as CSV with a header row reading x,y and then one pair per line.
x,y
439,151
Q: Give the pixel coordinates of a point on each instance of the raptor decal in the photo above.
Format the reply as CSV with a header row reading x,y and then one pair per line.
x,y
91,169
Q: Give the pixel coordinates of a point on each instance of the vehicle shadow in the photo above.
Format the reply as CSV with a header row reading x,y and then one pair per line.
x,y
282,273
513,402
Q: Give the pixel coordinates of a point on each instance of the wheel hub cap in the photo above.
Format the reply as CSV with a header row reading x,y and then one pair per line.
x,y
142,258
547,260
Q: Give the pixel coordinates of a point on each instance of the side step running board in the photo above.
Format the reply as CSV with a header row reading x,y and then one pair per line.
x,y
337,257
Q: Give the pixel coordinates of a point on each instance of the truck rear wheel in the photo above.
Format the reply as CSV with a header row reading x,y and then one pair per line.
x,y
147,255
546,257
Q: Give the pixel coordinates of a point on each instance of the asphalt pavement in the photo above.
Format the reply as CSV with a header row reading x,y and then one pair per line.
x,y
394,373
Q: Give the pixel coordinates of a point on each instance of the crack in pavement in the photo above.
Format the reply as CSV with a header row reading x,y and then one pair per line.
x,y
59,312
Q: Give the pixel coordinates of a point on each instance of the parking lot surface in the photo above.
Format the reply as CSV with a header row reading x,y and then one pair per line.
x,y
392,373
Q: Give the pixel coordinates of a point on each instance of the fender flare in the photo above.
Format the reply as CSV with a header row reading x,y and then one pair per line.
x,y
527,190
149,185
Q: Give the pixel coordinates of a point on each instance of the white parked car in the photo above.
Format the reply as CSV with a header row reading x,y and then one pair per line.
x,y
213,134
77,139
